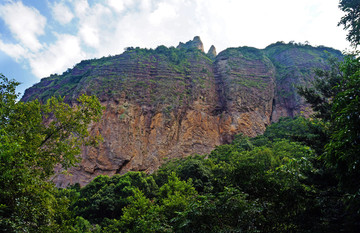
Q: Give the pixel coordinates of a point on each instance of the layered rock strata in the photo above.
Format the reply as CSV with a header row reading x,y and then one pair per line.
x,y
173,102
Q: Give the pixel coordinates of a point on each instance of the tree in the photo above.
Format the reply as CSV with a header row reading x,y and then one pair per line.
x,y
343,150
34,138
351,20
310,132
105,197
141,215
335,100
227,211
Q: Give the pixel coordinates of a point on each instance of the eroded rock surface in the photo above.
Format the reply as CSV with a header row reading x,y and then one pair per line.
x,y
173,102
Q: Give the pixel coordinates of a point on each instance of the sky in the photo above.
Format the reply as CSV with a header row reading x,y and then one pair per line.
x,y
43,37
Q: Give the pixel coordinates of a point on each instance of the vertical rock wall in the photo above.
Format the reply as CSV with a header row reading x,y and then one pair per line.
x,y
170,103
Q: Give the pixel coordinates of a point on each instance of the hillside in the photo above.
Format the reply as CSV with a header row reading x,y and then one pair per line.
x,y
173,102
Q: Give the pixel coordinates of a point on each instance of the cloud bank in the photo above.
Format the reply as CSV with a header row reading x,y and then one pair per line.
x,y
64,32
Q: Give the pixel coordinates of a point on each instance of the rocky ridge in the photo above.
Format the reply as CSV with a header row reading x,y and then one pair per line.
x,y
173,102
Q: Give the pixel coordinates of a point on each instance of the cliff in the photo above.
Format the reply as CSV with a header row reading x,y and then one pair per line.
x,y
173,102
295,65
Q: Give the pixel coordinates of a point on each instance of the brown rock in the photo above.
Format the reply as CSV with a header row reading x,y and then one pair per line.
x,y
171,103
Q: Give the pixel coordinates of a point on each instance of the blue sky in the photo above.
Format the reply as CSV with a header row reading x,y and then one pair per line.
x,y
43,37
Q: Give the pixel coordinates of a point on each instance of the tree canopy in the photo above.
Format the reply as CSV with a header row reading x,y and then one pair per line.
x,y
301,175
351,20
34,138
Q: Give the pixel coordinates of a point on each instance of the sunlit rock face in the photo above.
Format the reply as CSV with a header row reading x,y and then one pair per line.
x,y
212,52
174,102
196,43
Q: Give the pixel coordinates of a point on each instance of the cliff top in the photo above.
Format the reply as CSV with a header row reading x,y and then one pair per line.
x,y
141,74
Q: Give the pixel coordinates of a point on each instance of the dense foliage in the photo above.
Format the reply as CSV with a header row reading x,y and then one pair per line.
x,y
34,138
351,20
301,175
270,183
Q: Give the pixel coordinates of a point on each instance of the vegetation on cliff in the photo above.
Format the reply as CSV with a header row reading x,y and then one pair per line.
x,y
172,80
164,76
301,175
275,182
171,77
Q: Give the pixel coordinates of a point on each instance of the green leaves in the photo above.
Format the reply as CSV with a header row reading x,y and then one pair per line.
x,y
251,185
335,98
106,197
351,20
34,138
344,147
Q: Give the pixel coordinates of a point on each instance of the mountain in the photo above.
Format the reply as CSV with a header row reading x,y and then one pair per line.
x,y
172,102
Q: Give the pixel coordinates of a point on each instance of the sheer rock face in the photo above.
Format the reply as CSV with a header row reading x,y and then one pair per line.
x,y
295,65
169,103
247,90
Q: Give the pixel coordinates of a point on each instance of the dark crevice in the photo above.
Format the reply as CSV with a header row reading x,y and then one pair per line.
x,y
221,105
122,166
273,106
181,114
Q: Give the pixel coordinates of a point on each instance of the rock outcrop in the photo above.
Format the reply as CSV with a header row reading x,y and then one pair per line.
x,y
212,52
173,102
195,43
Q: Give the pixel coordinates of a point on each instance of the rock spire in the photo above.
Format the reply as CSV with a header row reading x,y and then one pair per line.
x,y
212,52
195,43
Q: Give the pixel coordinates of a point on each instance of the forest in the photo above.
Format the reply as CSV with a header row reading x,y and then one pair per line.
x,y
301,175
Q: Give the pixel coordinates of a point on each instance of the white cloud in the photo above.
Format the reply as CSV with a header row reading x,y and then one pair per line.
x,y
94,24
116,5
90,35
81,7
58,56
25,23
15,51
164,12
258,23
61,12
325,20
144,5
